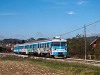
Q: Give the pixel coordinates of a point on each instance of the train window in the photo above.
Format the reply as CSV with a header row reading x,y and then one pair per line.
x,y
38,45
35,46
42,45
15,48
31,46
56,44
27,46
47,45
63,43
21,47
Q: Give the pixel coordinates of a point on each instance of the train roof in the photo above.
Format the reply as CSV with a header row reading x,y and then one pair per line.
x,y
57,40
42,41
45,41
22,44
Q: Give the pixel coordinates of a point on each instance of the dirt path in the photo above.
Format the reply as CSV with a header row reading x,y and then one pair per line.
x,y
25,68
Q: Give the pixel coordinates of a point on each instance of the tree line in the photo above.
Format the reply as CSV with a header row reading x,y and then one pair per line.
x,y
76,47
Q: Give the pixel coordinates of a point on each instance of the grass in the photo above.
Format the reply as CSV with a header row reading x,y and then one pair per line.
x,y
75,68
71,68
11,58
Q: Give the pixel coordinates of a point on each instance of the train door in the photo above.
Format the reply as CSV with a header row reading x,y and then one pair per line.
x,y
30,49
20,49
15,49
27,49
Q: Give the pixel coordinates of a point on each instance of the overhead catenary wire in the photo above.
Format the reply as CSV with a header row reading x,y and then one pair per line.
x,y
84,27
79,28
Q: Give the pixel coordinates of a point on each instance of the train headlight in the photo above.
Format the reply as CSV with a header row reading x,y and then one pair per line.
x,y
54,49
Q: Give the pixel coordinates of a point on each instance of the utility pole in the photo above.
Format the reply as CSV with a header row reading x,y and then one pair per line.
x,y
85,39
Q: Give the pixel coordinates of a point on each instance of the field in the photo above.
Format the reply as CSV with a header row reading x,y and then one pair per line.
x,y
11,65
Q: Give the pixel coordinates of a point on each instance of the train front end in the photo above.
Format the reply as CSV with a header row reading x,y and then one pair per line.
x,y
59,47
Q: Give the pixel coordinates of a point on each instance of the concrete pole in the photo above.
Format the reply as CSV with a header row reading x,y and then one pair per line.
x,y
85,39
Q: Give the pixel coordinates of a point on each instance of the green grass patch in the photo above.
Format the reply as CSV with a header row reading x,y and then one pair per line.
x,y
11,58
73,68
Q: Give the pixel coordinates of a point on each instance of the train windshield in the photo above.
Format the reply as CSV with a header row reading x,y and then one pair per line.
x,y
58,43
55,43
63,43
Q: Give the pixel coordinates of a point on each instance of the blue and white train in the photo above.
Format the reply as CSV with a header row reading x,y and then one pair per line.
x,y
56,48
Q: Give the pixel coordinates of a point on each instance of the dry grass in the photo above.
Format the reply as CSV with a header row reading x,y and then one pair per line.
x,y
25,68
19,66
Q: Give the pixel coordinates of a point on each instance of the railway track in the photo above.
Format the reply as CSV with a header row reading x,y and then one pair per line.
x,y
87,62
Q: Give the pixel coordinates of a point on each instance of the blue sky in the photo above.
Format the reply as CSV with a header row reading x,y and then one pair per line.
x,y
47,18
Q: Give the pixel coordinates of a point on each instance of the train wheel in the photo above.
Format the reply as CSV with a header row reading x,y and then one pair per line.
x,y
55,56
38,55
48,55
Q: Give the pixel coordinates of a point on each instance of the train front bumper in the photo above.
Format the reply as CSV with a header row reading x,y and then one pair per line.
x,y
59,53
